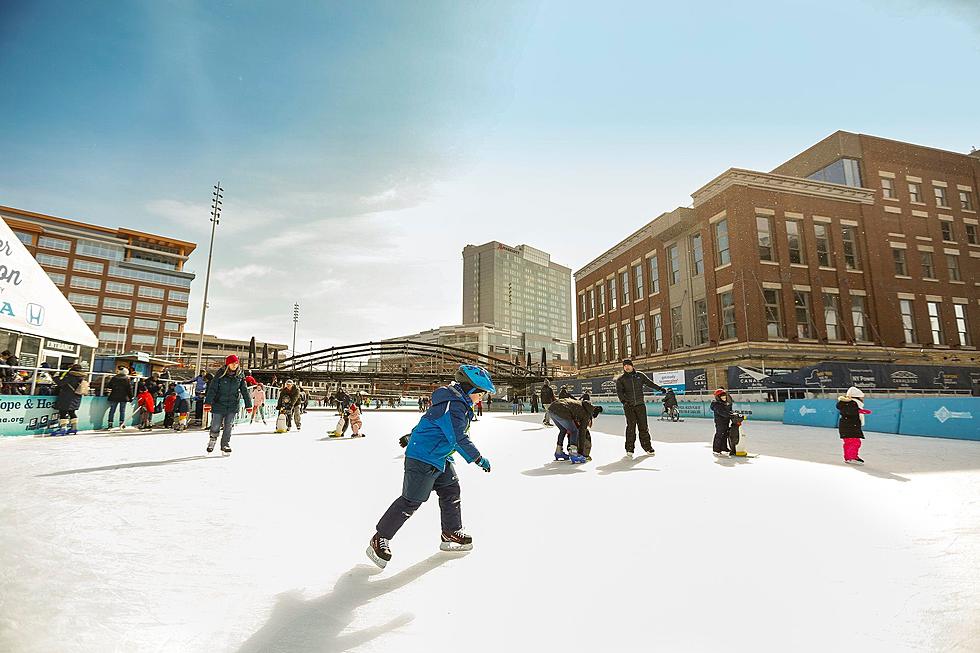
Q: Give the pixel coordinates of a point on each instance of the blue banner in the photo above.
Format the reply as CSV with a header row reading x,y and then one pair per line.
x,y
944,417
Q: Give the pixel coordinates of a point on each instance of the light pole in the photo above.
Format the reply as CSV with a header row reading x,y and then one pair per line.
x,y
295,322
311,355
215,218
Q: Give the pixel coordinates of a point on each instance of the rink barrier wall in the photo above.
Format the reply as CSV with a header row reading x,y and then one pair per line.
x,y
940,417
760,410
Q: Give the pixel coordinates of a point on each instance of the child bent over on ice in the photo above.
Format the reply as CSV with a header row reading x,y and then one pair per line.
x,y
573,418
851,424
442,430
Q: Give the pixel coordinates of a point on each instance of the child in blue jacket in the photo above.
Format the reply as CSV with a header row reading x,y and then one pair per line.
x,y
443,430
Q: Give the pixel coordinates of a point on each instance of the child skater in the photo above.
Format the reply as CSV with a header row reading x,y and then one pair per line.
x,y
355,421
145,401
722,408
182,406
851,424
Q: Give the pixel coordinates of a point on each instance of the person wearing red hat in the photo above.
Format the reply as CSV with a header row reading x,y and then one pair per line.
x,y
222,400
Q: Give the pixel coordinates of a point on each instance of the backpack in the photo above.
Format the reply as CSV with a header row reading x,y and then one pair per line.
x,y
83,387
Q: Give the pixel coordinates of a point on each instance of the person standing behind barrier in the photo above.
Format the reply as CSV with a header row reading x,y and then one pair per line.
x,y
120,395
629,389
222,400
200,387
534,401
72,386
547,396
9,372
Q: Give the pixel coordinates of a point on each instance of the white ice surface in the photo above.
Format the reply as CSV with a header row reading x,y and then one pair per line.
x,y
139,543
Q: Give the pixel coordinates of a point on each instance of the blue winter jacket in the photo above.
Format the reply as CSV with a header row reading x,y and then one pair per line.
x,y
443,429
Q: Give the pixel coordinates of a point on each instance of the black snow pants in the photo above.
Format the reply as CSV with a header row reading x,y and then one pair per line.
x,y
636,418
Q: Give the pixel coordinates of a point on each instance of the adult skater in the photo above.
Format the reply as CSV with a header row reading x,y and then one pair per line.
x,y
534,401
629,389
573,418
443,429
120,395
222,400
290,404
547,396
72,386
722,409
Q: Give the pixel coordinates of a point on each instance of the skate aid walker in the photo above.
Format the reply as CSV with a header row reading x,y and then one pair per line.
x,y
735,433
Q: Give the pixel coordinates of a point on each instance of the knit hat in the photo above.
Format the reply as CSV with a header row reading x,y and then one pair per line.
x,y
627,361
855,393
231,359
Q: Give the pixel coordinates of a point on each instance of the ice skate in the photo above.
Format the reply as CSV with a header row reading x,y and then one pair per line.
x,y
456,541
560,455
211,442
649,452
226,450
629,454
574,456
378,551
854,461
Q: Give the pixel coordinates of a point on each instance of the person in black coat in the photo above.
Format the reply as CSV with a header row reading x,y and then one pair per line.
x,y
722,409
71,386
547,396
573,417
629,389
851,424
120,395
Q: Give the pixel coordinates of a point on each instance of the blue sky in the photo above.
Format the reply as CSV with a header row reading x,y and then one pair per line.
x,y
362,145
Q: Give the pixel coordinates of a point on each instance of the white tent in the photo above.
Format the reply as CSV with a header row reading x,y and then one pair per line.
x,y
29,300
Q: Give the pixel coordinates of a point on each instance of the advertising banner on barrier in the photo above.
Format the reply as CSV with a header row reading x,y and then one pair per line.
x,y
673,379
863,375
946,417
681,381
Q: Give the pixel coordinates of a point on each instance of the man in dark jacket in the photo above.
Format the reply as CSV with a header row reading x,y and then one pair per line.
x,y
629,389
565,393
534,401
289,404
222,399
547,396
9,372
120,394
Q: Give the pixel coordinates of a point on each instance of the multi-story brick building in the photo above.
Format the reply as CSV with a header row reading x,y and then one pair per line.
x,y
129,286
859,248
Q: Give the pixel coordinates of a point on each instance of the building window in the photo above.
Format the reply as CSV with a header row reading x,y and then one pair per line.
x,y
858,314
721,242
887,188
172,342
915,192
628,340
971,234
774,312
86,283
626,287
901,266
88,266
763,225
143,339
79,299
151,293
88,317
935,324
117,304
804,325
673,256
119,288
846,172
56,277
590,306
600,292
908,320
57,244
852,258
697,255
928,269
658,333
171,326
641,336
152,277
959,310
592,348
700,321
947,230
612,294
614,346
114,320
603,352
966,200
111,336
953,267
27,239
99,250
831,312
654,275
940,193
582,310
140,323
60,262
823,245
638,277
676,328
794,237
727,303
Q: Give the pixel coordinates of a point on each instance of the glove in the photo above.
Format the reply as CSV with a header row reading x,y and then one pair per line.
x,y
864,411
403,441
484,463
207,406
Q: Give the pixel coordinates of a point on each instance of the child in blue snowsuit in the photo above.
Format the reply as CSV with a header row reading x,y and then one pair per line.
x,y
442,431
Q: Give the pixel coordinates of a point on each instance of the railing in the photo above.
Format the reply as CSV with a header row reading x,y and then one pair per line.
x,y
28,380
782,394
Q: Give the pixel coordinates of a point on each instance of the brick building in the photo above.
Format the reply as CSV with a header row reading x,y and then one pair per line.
x,y
859,248
129,286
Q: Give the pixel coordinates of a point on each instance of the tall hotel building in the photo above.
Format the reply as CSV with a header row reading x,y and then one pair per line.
x,y
129,286
859,248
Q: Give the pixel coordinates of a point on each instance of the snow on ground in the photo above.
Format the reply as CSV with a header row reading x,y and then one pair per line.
x,y
141,543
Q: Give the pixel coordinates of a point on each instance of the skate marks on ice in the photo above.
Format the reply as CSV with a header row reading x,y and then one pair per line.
x,y
316,624
145,463
625,464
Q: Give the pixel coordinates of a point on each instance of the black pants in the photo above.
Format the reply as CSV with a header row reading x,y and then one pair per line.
x,y
636,417
419,481
720,443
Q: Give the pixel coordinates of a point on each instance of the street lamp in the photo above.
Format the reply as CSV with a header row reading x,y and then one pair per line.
x,y
295,322
215,218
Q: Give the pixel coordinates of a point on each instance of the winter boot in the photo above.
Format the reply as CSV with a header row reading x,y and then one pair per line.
x,y
456,541
211,442
378,551
108,426
73,427
574,456
560,455
649,451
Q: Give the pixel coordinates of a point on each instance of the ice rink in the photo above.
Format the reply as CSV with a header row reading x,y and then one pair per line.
x,y
142,543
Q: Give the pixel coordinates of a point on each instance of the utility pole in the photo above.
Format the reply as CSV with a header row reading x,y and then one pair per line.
x,y
215,218
295,322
